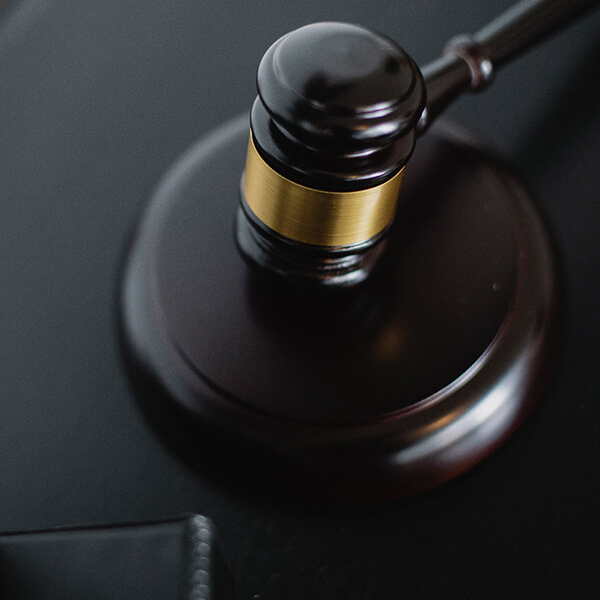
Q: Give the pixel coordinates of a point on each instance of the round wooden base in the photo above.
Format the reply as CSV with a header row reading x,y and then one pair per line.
x,y
369,393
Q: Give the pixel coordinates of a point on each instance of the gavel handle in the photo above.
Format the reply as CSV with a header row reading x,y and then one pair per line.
x,y
468,63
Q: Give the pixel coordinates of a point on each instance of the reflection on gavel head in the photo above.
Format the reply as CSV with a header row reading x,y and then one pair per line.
x,y
332,129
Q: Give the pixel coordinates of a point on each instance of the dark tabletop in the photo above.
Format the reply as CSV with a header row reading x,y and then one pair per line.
x,y
97,99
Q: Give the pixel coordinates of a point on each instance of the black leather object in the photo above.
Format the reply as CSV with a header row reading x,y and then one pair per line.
x,y
171,560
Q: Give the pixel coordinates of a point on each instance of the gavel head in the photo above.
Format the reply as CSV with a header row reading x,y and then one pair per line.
x,y
331,131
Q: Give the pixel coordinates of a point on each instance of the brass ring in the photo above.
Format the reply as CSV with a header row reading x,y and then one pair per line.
x,y
317,217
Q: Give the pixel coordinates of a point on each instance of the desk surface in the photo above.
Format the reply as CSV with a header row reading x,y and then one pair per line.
x,y
97,99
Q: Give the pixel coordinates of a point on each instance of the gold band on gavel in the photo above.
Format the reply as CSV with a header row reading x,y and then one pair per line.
x,y
317,217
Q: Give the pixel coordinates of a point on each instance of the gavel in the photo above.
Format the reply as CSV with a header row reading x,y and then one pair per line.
x,y
290,300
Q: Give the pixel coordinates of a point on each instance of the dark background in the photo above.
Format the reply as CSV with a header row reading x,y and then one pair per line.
x,y
97,99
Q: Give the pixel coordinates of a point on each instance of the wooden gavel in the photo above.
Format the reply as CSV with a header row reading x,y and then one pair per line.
x,y
263,334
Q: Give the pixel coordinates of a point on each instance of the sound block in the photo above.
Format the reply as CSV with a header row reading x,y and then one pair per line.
x,y
371,393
